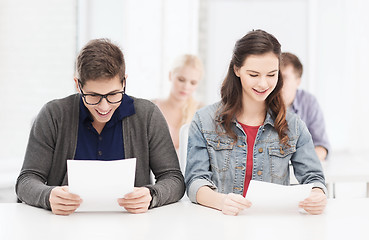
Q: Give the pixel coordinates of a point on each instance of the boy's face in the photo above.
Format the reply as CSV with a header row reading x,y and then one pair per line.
x,y
291,82
102,112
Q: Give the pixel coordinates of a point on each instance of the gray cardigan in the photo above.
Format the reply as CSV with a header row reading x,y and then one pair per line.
x,y
53,140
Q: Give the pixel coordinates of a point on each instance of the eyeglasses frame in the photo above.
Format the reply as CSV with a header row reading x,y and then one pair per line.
x,y
101,95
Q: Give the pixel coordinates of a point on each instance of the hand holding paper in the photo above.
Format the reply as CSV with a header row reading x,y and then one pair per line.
x,y
137,201
62,202
101,183
266,196
315,203
234,203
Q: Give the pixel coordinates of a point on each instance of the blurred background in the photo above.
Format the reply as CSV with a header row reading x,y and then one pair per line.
x,y
40,39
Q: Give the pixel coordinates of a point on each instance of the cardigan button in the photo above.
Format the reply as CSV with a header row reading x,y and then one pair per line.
x,y
260,150
260,172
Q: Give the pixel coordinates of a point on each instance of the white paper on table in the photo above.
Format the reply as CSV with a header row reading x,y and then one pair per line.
x,y
101,183
266,196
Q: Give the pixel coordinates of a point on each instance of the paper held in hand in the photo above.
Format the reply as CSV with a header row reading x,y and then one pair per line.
x,y
270,197
101,183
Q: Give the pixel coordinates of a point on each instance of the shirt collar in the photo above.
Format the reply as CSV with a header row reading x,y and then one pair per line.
x,y
84,114
125,109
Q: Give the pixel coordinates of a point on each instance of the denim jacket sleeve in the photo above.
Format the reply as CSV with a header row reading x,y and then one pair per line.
x,y
198,171
307,166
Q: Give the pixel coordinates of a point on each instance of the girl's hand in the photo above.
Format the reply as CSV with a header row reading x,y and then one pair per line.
x,y
234,203
315,203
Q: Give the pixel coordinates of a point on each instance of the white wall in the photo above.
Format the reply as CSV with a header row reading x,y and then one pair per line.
x,y
342,62
37,50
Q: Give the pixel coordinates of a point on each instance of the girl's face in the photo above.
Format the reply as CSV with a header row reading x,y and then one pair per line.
x,y
259,76
184,82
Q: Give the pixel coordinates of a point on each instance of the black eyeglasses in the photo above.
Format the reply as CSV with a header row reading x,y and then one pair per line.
x,y
94,99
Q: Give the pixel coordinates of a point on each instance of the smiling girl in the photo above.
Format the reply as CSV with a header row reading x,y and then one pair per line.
x,y
249,135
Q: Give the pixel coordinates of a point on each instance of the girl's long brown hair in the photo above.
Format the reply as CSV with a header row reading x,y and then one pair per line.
x,y
256,42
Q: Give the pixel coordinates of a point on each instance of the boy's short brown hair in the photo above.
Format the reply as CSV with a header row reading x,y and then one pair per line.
x,y
292,59
100,59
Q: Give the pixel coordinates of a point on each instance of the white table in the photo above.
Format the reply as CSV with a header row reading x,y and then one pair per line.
x,y
343,167
346,166
342,219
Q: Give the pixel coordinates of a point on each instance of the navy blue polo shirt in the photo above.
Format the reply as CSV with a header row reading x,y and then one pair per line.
x,y
108,145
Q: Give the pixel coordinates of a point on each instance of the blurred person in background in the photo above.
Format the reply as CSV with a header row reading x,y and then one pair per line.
x,y
303,103
180,106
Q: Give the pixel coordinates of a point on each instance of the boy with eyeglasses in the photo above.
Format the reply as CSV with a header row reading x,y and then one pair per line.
x,y
101,122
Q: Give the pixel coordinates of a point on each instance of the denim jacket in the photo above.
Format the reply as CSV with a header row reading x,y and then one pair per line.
x,y
214,160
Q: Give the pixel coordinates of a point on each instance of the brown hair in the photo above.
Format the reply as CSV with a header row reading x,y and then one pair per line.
x,y
293,60
100,58
256,42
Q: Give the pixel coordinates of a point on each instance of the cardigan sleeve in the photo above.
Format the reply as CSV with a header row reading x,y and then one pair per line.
x,y
169,186
52,141
30,186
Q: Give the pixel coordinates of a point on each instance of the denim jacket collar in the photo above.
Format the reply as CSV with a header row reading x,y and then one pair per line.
x,y
268,120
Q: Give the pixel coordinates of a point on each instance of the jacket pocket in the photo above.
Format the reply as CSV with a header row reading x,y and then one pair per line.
x,y
279,162
220,151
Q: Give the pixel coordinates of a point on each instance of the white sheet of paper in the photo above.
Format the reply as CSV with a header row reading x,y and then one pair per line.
x,y
266,196
101,183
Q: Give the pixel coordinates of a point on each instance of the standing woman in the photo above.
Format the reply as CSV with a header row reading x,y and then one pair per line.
x,y
180,106
249,135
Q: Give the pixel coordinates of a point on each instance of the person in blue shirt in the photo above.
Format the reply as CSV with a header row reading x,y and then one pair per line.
x,y
250,135
100,122
303,103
